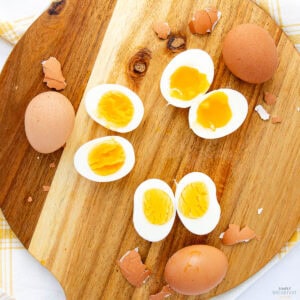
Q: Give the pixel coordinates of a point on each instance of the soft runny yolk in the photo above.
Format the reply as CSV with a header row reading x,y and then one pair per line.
x,y
194,200
116,109
157,206
186,83
214,112
106,158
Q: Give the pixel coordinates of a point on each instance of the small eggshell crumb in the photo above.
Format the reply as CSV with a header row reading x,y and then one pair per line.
x,y
162,29
264,115
260,210
276,120
233,235
221,235
164,293
46,188
29,199
133,269
53,74
269,98
52,165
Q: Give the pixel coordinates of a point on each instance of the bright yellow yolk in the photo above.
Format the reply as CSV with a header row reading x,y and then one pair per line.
x,y
158,206
214,112
186,83
106,158
116,108
194,200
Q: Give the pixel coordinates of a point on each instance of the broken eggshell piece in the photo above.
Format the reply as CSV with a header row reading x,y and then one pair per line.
x,y
53,74
233,235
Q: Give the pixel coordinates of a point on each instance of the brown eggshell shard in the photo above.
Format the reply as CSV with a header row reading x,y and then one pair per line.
x,y
49,121
213,15
276,120
133,269
196,269
270,98
200,23
162,29
53,74
163,294
250,53
233,235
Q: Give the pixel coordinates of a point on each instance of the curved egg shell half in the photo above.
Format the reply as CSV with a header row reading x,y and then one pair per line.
x,y
194,58
148,231
196,269
49,121
239,108
206,223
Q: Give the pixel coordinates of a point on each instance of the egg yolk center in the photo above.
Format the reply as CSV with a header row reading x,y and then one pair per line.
x,y
157,206
116,109
187,82
106,158
194,200
214,112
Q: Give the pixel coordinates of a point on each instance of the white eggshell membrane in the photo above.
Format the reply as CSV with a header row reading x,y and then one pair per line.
x,y
94,95
194,58
210,219
83,168
239,107
148,231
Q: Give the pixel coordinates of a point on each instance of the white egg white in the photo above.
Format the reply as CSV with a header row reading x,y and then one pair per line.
x,y
94,95
239,107
148,231
210,219
194,58
83,168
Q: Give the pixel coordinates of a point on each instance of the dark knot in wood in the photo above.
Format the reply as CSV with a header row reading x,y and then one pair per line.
x,y
138,63
56,7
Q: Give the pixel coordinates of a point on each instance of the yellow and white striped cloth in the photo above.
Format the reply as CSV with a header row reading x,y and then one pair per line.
x,y
12,26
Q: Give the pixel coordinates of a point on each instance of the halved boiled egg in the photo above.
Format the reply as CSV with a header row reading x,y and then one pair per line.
x,y
196,203
105,159
154,210
114,107
218,113
187,76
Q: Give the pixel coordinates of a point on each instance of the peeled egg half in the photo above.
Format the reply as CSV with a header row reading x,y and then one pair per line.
x,y
186,77
218,113
114,107
105,159
196,203
154,210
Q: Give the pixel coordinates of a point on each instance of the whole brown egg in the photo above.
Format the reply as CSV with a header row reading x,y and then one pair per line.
x,y
196,269
250,53
49,120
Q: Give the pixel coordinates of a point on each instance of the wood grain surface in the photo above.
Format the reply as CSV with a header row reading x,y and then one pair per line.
x,y
85,227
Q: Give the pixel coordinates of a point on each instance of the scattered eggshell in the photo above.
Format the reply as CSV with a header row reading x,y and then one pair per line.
x,y
53,74
46,188
52,165
133,269
162,29
276,120
259,211
164,293
269,98
29,199
264,115
221,235
233,235
298,108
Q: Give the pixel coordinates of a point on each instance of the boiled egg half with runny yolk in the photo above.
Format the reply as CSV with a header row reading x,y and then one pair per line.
x,y
187,76
196,203
105,159
218,113
114,107
154,210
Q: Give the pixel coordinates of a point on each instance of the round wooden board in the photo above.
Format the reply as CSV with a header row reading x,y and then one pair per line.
x,y
85,227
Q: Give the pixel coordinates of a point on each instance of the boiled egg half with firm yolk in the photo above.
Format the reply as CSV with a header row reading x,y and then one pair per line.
x,y
218,113
114,107
187,76
154,210
196,203
105,159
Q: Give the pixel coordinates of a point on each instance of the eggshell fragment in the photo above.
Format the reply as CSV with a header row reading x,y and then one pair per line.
x,y
53,74
276,120
269,98
46,188
162,29
133,269
233,235
264,115
163,294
